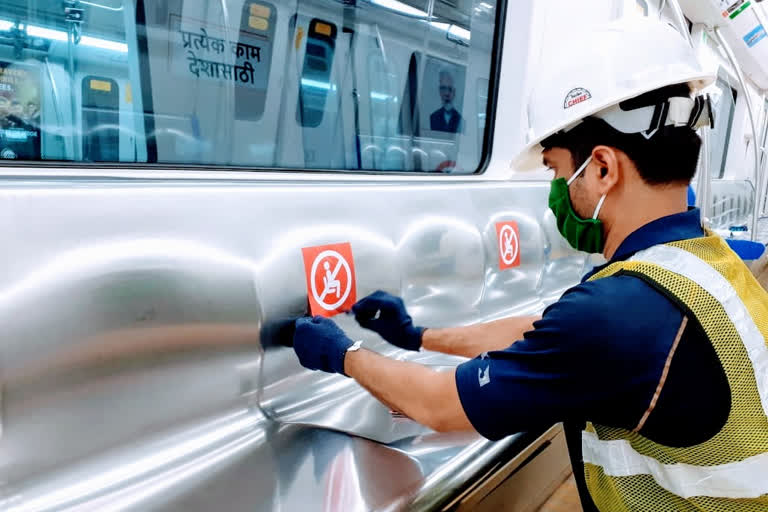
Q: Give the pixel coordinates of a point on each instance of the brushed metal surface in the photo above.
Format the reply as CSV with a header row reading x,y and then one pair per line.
x,y
133,377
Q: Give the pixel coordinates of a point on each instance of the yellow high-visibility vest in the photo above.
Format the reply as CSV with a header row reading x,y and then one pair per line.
x,y
624,470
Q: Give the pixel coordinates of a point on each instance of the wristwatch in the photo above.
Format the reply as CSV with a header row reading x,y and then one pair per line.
x,y
352,348
355,346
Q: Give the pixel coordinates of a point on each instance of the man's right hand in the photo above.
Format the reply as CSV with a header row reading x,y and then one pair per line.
x,y
385,314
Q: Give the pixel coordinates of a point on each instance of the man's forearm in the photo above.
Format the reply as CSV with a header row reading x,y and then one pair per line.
x,y
426,396
473,340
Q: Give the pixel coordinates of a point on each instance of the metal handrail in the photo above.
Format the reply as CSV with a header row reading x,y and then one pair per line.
x,y
678,12
757,175
704,190
763,193
762,205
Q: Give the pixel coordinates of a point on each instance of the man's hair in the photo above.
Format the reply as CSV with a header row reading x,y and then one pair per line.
x,y
670,156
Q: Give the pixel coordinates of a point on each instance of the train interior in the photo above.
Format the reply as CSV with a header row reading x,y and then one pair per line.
x,y
167,161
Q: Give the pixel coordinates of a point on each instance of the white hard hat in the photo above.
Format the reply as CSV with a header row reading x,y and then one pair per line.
x,y
608,65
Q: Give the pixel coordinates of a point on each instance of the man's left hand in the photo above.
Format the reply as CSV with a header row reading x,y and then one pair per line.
x,y
321,344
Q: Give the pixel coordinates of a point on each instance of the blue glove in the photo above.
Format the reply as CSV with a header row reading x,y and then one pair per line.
x,y
320,344
386,315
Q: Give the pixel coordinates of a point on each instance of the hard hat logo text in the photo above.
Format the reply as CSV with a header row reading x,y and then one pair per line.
x,y
576,96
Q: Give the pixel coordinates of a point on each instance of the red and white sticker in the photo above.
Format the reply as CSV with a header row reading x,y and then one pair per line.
x,y
508,236
330,272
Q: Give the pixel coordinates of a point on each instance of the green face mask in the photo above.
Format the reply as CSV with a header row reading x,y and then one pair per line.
x,y
583,234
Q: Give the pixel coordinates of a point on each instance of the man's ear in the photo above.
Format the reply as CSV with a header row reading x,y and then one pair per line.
x,y
608,162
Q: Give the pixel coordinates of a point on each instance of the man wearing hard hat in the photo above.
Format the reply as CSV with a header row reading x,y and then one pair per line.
x,y
661,353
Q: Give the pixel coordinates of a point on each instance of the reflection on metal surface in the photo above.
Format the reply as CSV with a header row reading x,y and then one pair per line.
x,y
442,262
130,477
132,373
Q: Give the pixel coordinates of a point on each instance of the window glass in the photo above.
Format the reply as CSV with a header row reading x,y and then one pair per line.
x,y
442,98
723,97
258,22
63,73
315,81
409,111
372,85
482,99
101,119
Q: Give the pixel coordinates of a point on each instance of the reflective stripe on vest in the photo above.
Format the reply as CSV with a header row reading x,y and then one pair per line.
x,y
742,479
684,263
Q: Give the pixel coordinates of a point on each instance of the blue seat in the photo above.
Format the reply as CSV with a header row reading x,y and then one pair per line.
x,y
746,249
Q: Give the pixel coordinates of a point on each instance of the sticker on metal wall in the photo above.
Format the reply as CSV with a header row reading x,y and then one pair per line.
x,y
508,238
330,273
737,8
755,36
728,6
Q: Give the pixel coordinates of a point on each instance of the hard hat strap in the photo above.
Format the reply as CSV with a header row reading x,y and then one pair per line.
x,y
659,119
693,113
702,113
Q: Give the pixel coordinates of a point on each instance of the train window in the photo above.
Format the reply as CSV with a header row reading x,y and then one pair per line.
x,y
482,99
724,99
64,68
277,84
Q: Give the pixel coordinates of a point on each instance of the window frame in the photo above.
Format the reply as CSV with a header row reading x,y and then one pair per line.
x,y
153,170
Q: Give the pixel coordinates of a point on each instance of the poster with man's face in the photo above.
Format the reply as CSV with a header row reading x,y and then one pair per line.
x,y
19,111
442,98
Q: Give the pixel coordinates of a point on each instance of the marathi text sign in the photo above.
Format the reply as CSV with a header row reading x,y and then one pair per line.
x,y
203,53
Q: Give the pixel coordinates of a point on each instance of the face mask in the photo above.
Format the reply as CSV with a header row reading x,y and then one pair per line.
x,y
583,234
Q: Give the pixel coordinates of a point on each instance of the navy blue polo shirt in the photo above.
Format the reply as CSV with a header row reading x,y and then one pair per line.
x,y
598,354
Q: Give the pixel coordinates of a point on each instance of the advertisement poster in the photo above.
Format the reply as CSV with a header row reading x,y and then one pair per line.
x,y
19,111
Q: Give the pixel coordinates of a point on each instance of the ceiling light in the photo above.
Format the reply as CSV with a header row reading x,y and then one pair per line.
x,y
60,35
400,7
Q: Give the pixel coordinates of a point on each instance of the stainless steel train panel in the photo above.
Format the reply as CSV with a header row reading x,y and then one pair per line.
x,y
132,367
132,311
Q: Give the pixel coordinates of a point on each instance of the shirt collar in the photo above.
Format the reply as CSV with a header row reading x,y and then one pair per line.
x,y
680,226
